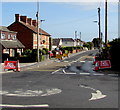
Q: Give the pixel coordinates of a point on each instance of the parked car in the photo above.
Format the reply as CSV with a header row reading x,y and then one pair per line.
x,y
51,54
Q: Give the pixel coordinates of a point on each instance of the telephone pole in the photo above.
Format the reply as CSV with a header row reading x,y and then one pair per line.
x,y
106,23
80,38
99,24
38,39
76,40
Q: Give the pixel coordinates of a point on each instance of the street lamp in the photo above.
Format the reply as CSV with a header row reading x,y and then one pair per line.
x,y
38,36
99,26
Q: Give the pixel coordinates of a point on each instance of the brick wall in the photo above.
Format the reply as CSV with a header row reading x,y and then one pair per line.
x,y
24,35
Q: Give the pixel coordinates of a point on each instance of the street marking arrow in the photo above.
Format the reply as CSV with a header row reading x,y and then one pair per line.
x,y
97,95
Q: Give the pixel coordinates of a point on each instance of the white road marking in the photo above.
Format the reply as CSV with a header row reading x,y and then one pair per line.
x,y
87,87
85,73
95,96
31,93
56,71
65,61
99,74
52,92
64,71
70,73
74,61
23,106
3,92
82,61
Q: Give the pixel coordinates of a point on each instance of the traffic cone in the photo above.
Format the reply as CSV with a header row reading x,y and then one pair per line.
x,y
18,66
94,60
96,66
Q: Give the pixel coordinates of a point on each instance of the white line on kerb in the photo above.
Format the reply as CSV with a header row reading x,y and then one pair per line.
x,y
25,106
56,71
85,73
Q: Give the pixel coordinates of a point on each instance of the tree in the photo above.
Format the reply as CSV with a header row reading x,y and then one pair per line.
x,y
89,45
114,52
96,42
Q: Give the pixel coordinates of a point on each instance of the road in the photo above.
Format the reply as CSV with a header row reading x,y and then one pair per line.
x,y
70,83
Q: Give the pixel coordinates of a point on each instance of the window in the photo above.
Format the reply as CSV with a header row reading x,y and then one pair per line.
x,y
8,36
6,51
3,36
14,37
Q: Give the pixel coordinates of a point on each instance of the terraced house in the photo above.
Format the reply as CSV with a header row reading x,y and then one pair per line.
x,y
26,29
9,43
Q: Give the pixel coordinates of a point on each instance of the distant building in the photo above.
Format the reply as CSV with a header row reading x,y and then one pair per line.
x,y
61,42
26,29
78,42
67,42
9,43
56,43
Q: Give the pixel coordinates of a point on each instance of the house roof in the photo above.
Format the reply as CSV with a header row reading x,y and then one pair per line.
x,y
11,44
3,28
32,28
67,40
56,41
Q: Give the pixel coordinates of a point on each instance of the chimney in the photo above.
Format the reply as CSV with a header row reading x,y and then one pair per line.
x,y
24,19
17,17
34,23
29,20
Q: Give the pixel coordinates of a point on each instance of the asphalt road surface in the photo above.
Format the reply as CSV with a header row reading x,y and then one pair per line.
x,y
70,83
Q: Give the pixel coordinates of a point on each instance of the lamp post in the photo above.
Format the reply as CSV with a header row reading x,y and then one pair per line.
x,y
99,27
38,36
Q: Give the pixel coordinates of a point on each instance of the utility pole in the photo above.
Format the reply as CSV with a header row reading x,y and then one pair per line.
x,y
80,38
76,39
99,24
41,38
38,39
106,23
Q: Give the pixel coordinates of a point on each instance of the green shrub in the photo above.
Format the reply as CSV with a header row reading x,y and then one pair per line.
x,y
27,52
45,51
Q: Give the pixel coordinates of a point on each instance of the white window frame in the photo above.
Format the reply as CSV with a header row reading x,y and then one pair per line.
x,y
14,37
9,36
3,36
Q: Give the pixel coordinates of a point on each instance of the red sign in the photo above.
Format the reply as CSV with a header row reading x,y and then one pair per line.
x,y
10,64
104,64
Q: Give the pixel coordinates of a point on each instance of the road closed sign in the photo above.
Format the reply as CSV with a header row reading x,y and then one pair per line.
x,y
104,64
14,65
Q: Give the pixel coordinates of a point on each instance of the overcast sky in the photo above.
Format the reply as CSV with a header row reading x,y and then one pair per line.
x,y
62,19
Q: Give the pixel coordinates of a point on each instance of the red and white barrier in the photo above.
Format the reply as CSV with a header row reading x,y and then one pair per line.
x,y
102,65
12,65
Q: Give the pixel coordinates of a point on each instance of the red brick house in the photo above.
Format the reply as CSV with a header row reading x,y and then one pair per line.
x,y
9,43
26,29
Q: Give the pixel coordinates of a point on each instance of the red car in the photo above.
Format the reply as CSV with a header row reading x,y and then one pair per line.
x,y
51,54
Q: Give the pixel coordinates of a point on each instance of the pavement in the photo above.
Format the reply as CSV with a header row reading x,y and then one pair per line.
x,y
25,66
